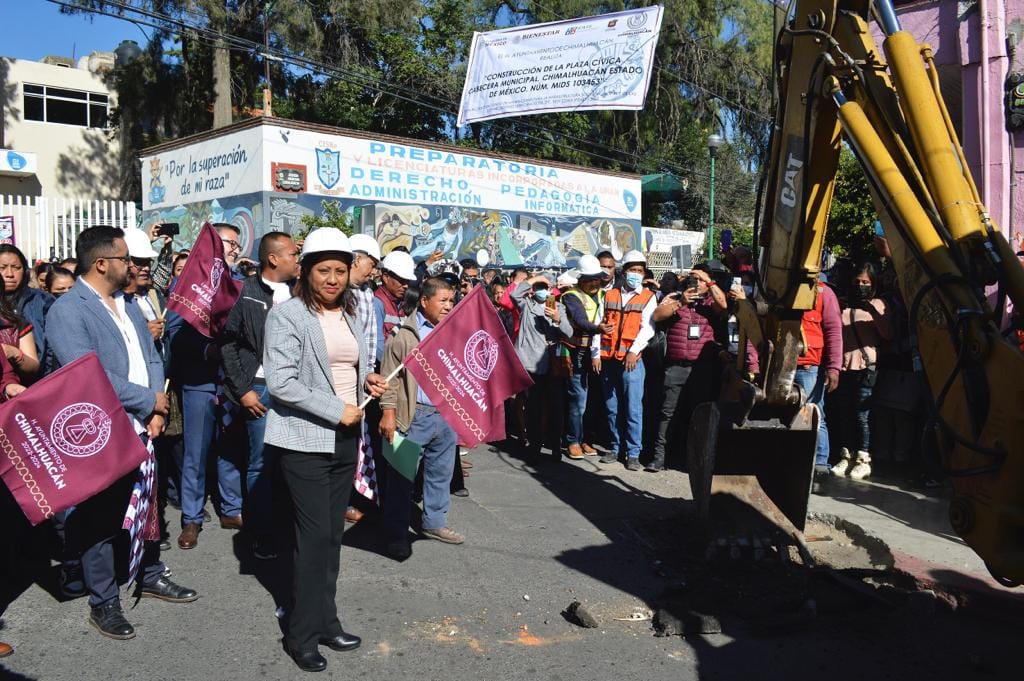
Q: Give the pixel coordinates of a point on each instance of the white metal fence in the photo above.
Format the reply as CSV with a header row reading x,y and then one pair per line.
x,y
45,227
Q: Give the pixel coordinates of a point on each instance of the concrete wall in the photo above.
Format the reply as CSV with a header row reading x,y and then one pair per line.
x,y
73,161
978,38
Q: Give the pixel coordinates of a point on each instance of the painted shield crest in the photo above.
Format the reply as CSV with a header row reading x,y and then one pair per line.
x,y
328,167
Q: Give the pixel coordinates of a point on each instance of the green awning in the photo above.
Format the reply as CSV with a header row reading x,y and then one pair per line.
x,y
661,187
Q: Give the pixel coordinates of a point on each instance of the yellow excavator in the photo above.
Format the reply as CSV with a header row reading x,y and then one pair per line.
x,y
757,441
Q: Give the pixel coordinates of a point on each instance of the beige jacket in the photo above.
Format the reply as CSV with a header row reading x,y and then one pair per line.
x,y
401,392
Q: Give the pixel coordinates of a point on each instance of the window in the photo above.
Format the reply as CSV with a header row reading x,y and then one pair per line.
x,y
70,107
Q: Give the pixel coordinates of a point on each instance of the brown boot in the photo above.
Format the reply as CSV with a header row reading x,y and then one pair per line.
x,y
189,536
588,450
575,452
231,522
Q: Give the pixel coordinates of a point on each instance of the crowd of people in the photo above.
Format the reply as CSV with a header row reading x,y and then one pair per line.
x,y
273,416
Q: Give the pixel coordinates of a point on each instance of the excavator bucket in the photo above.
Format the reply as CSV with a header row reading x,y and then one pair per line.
x,y
764,465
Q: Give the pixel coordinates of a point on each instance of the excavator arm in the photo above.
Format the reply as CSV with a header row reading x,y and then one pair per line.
x,y
955,270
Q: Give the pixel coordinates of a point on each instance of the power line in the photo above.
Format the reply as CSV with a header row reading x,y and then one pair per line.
x,y
213,36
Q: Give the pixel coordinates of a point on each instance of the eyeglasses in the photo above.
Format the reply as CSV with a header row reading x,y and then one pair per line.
x,y
126,259
233,244
470,280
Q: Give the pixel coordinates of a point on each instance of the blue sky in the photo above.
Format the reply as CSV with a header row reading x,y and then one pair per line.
x,y
33,29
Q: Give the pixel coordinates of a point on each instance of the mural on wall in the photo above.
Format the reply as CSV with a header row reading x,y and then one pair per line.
x,y
510,238
245,212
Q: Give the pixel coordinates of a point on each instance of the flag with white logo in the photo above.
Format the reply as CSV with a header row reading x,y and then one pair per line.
x,y
205,292
66,439
468,368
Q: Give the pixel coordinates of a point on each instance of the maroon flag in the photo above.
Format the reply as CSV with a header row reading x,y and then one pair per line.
x,y
205,291
468,367
65,439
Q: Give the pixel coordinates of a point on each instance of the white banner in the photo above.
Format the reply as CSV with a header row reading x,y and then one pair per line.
x,y
663,240
371,171
214,168
601,62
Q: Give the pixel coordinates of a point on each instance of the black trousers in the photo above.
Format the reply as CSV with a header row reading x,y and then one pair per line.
x,y
320,486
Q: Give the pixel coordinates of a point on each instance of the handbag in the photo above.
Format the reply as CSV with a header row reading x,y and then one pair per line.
x,y
869,375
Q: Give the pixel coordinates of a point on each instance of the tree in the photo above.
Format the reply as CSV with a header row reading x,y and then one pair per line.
x,y
331,216
851,220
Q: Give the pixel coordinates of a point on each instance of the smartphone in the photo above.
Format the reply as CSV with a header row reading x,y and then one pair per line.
x,y
168,229
879,232
551,303
737,282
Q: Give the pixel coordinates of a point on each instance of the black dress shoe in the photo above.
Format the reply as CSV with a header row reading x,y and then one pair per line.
x,y
342,642
312,661
166,590
109,619
399,550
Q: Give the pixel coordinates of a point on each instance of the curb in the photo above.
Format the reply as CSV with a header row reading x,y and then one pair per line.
x,y
973,593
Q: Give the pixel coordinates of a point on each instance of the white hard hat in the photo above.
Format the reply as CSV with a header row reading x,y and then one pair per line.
x,y
325,240
566,279
400,264
633,258
138,243
365,244
590,267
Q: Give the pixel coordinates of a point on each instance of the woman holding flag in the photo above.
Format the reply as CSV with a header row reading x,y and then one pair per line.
x,y
317,371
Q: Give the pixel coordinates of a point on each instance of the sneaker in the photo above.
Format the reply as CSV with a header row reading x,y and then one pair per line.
x,y
862,467
461,492
654,467
843,465
608,458
444,534
633,465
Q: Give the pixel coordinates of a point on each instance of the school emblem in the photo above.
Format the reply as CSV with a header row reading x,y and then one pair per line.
x,y
328,167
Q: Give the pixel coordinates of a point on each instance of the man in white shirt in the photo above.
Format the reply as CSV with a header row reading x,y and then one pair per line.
x,y
95,317
618,358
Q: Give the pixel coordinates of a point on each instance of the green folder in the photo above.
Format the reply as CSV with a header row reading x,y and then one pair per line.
x,y
403,455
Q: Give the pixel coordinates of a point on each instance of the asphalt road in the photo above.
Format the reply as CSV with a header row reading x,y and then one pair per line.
x,y
537,539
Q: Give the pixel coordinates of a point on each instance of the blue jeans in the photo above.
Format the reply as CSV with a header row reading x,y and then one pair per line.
x,y
577,385
199,411
812,380
628,387
259,475
430,431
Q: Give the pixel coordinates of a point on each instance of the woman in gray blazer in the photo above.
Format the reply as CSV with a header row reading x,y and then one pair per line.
x,y
317,372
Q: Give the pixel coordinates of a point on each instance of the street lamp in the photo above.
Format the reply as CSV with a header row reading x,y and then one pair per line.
x,y
714,141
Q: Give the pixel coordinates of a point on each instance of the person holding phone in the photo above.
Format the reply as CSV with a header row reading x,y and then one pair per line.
x,y
544,324
691,358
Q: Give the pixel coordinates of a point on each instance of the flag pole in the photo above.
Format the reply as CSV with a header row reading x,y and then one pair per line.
x,y
387,379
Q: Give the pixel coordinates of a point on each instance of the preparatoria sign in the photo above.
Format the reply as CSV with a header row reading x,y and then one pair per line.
x,y
601,62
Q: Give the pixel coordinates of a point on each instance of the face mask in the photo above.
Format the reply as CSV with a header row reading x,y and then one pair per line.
x,y
634,280
541,294
863,292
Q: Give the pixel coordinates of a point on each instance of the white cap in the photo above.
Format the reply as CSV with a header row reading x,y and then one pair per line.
x,y
138,243
365,244
633,258
400,264
589,266
325,240
566,279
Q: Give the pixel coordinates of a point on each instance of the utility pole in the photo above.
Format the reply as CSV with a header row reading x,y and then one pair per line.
x,y
267,95
714,141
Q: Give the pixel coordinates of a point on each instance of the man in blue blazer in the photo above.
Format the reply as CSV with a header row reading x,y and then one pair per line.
x,y
95,317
